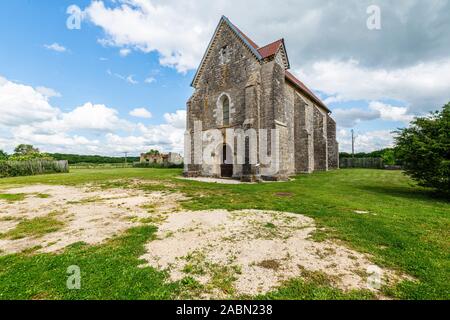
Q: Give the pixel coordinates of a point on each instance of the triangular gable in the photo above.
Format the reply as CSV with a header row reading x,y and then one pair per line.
x,y
247,42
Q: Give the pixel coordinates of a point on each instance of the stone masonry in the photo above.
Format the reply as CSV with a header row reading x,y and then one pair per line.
x,y
242,86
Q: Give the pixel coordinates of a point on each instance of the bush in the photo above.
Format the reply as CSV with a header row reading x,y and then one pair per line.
x,y
156,165
424,149
31,167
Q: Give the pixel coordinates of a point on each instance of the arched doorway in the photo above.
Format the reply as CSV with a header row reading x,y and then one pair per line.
x,y
226,167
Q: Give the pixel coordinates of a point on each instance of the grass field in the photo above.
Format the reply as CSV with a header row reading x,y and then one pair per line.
x,y
408,231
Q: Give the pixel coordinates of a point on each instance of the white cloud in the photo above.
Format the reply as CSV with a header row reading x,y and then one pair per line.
x,y
21,104
55,47
177,119
96,117
124,52
141,113
129,79
48,92
422,87
171,29
391,113
348,118
365,141
150,80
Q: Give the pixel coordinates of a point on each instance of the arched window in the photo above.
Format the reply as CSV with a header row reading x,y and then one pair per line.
x,y
226,111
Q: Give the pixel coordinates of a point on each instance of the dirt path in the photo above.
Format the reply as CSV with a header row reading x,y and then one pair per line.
x,y
89,215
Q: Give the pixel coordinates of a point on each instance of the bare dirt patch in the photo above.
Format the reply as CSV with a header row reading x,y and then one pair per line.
x,y
89,215
255,250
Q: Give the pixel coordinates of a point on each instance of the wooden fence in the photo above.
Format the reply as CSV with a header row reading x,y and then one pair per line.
x,y
369,163
32,167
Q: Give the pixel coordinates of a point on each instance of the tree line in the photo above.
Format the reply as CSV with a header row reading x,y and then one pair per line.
x,y
25,152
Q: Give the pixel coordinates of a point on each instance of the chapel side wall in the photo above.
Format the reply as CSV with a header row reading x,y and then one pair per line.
x,y
320,140
304,134
290,94
333,146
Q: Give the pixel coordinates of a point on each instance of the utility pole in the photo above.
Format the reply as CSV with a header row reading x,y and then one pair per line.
x,y
126,158
353,144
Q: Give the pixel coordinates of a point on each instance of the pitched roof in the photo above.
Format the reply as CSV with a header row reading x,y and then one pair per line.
x,y
270,49
265,52
305,89
253,44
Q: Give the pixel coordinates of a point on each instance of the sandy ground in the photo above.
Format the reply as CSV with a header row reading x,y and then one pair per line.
x,y
261,248
90,215
257,250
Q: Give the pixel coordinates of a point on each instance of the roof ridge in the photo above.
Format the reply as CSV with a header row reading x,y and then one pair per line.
x,y
279,40
249,40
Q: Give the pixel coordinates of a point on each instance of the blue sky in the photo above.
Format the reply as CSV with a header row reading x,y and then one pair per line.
x,y
79,74
75,90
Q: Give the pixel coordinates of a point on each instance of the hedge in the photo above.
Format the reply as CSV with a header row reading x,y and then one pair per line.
x,y
32,167
156,165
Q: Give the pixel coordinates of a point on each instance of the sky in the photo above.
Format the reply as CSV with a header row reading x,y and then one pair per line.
x,y
108,77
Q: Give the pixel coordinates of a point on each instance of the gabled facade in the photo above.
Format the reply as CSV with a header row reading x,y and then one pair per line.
x,y
240,85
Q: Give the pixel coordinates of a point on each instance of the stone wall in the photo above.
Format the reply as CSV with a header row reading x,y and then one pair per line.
x,y
333,146
304,143
320,141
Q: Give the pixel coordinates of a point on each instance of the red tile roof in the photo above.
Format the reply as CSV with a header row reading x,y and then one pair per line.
x,y
301,86
270,49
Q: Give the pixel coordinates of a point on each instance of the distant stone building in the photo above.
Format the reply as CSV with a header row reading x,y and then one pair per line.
x,y
170,158
241,85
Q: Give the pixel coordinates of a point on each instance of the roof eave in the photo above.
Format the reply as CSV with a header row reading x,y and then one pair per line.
x,y
315,99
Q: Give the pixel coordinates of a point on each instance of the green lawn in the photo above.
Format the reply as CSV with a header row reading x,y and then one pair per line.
x,y
408,229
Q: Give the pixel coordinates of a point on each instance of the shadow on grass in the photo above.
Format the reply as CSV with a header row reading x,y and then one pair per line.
x,y
416,193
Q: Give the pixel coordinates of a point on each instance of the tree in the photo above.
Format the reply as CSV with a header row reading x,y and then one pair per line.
x,y
388,156
25,150
424,149
153,152
3,155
